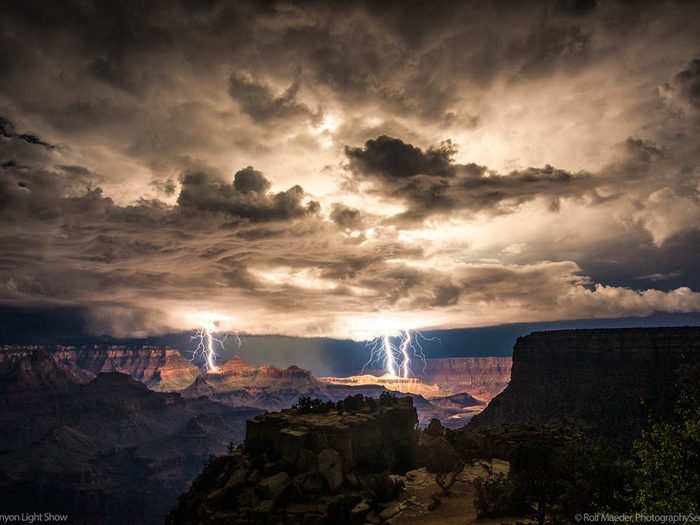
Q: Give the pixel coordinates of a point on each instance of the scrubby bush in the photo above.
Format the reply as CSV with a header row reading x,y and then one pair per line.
x,y
388,399
381,488
495,496
307,405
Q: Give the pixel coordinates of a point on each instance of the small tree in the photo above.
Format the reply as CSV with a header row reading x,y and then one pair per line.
x,y
669,454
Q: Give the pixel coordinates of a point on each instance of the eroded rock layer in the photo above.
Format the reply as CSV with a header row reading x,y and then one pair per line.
x,y
482,377
160,368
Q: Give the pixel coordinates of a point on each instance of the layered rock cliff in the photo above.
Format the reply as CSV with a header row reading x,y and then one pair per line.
x,y
482,377
605,381
160,368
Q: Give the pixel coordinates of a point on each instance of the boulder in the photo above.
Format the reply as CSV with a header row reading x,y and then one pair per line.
x,y
391,511
272,487
236,479
373,518
330,466
359,511
309,483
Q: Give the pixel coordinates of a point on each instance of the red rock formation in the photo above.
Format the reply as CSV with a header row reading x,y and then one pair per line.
x,y
162,369
481,377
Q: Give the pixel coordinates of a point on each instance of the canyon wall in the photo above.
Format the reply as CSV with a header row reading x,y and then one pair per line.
x,y
158,367
161,368
607,381
482,377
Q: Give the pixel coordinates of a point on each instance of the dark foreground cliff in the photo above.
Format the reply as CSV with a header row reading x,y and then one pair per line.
x,y
608,382
300,467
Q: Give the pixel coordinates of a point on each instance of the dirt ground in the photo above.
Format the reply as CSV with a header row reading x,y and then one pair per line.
x,y
457,509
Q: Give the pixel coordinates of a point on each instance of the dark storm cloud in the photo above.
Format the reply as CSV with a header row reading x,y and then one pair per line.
x,y
259,101
346,217
159,100
686,84
250,179
389,158
245,198
430,182
7,130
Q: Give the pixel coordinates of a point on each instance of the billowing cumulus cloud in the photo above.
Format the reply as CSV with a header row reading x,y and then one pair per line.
x,y
334,168
430,182
246,198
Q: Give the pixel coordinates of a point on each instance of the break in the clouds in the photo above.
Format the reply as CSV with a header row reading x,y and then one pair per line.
x,y
347,169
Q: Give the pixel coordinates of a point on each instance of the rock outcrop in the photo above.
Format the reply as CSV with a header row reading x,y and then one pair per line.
x,y
304,467
482,377
605,381
107,451
238,383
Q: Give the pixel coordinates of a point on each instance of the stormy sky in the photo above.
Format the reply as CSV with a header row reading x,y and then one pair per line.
x,y
345,169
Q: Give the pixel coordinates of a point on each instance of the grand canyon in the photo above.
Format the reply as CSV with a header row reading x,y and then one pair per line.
x,y
99,418
95,418
372,262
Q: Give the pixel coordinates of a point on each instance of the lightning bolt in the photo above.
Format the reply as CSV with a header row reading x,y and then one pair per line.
x,y
405,344
207,343
396,359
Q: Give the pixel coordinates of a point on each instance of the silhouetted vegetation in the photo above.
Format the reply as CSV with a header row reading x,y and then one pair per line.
x,y
308,405
495,496
388,399
554,482
669,455
440,457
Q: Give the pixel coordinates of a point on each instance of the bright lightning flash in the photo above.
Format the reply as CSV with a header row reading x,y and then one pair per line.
x,y
396,359
208,342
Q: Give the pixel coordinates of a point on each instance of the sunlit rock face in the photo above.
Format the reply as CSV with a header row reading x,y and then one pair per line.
x,y
238,383
481,377
606,381
411,385
160,368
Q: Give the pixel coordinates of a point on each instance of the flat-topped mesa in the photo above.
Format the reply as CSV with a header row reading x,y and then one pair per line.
x,y
365,437
237,371
606,380
405,385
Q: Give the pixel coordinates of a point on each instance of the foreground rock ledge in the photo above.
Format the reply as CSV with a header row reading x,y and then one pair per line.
x,y
303,467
